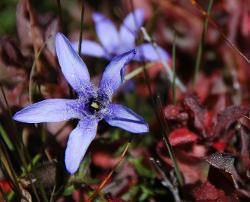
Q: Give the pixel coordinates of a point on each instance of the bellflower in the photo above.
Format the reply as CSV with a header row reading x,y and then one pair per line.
x,y
114,42
91,106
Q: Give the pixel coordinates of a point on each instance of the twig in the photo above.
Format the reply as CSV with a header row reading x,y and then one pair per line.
x,y
212,21
33,68
106,180
137,71
166,182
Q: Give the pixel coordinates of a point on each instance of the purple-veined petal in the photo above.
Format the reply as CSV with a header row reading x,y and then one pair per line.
x,y
113,75
78,143
106,32
50,110
73,68
126,119
130,27
148,52
90,48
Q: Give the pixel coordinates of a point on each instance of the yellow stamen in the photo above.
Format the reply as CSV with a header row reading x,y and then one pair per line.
x,y
95,105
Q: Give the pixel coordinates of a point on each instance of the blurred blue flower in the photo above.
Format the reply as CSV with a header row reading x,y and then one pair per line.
x,y
92,104
114,42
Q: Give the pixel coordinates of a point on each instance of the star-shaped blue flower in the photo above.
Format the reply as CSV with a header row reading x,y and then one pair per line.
x,y
116,42
92,104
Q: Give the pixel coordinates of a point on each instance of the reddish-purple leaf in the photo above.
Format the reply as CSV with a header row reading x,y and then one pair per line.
x,y
10,53
182,136
192,103
174,112
227,117
28,31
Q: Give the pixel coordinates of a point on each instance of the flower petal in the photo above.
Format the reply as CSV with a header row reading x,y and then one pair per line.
x,y
50,110
90,48
78,143
130,27
73,68
150,53
126,119
106,32
114,73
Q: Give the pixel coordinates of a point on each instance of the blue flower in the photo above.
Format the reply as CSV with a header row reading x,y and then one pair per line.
x,y
92,104
116,42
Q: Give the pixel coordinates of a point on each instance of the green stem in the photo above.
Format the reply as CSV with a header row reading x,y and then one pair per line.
x,y
174,69
60,14
201,43
169,147
81,29
21,151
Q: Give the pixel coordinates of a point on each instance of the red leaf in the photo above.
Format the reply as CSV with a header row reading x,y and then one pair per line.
x,y
207,191
208,120
182,136
5,186
104,160
219,146
245,25
229,116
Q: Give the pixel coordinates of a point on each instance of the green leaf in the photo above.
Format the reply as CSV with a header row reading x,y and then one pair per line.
x,y
146,193
82,176
69,190
141,169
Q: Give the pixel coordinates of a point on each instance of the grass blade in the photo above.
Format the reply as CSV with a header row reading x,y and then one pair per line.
x,y
6,138
201,43
159,114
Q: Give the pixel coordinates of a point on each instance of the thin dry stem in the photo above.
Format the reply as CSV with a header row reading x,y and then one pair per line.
x,y
106,180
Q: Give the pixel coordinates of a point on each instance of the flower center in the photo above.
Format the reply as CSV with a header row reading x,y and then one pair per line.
x,y
95,105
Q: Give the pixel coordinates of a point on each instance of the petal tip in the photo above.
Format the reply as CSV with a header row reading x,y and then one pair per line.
x,y
60,39
139,11
18,116
132,53
97,16
145,129
71,169
70,164
59,36
15,117
141,130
